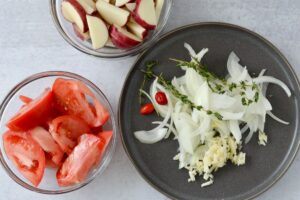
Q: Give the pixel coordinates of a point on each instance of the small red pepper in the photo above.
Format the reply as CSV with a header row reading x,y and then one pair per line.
x,y
147,109
161,98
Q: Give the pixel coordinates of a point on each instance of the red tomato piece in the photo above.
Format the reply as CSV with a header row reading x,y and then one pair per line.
x,y
33,114
25,99
96,130
161,98
66,130
26,154
71,97
48,144
106,137
82,159
147,109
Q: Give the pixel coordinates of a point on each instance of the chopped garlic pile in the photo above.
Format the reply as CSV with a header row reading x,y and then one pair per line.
x,y
209,116
210,157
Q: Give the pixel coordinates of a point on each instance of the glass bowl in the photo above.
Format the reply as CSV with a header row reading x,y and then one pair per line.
x,y
32,87
66,30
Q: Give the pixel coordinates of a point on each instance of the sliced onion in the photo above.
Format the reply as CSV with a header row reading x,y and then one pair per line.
x,y
233,66
155,134
277,118
201,54
169,126
270,79
190,50
249,136
149,137
231,116
147,95
235,130
202,96
221,101
244,75
262,72
264,88
161,109
244,129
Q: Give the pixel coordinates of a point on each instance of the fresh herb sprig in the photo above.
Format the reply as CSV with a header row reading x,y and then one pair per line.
x,y
147,77
219,85
149,74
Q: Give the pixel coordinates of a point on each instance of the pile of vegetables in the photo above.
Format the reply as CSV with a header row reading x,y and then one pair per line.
x,y
209,116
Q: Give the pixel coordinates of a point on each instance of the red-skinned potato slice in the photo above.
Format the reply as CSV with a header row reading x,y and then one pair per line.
x,y
88,5
121,3
144,14
137,29
82,159
66,130
71,99
26,154
83,36
48,144
158,7
130,6
121,38
34,113
98,31
112,14
75,13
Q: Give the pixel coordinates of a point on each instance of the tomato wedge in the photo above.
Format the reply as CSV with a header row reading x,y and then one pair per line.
x,y
66,130
71,97
106,137
84,156
26,154
33,114
48,144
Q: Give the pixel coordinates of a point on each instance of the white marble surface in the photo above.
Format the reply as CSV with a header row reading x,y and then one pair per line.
x,y
29,43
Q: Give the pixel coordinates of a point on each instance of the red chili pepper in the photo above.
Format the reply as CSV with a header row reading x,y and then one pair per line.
x,y
147,109
161,98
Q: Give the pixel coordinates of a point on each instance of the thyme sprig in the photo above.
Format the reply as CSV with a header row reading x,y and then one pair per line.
x,y
147,77
219,85
149,74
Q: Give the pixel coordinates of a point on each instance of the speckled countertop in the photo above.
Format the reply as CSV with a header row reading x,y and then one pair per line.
x,y
29,43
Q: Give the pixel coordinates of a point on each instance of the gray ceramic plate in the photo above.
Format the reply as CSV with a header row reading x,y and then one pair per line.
x,y
264,165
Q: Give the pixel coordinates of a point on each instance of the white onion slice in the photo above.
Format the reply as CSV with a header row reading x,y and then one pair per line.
x,y
235,130
270,79
249,136
244,129
169,126
156,134
149,137
201,54
231,116
277,118
190,50
233,66
262,72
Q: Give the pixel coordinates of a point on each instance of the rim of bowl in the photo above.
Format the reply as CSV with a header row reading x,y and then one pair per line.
x,y
127,52
108,155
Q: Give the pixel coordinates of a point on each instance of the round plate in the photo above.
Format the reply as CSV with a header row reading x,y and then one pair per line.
x,y
264,165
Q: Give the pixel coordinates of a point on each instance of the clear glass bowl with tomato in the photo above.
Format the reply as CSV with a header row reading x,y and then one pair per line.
x,y
58,132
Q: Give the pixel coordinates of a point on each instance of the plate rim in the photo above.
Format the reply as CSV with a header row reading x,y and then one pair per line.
x,y
293,153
